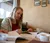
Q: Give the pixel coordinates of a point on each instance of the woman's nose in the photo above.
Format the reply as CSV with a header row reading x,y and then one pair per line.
x,y
19,15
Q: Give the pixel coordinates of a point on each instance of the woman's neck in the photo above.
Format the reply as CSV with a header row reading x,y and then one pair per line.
x,y
15,21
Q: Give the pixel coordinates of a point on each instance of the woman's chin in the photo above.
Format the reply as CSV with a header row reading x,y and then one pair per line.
x,y
17,18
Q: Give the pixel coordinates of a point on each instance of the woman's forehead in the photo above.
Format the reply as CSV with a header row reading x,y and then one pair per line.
x,y
19,10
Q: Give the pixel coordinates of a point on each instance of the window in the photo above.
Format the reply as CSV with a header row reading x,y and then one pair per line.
x,y
6,7
1,12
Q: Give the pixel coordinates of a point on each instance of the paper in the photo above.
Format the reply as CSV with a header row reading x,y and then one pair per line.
x,y
3,36
47,34
13,35
34,33
28,36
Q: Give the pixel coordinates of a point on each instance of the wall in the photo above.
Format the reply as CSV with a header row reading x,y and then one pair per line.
x,y
36,15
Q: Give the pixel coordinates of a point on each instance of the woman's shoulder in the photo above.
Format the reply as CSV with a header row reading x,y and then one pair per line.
x,y
6,19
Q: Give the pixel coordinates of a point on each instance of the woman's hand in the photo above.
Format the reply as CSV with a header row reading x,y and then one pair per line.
x,y
19,31
3,31
30,30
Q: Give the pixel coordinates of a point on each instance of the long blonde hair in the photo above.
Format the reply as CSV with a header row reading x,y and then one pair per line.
x,y
14,11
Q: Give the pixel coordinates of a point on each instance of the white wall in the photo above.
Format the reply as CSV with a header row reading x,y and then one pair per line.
x,y
36,15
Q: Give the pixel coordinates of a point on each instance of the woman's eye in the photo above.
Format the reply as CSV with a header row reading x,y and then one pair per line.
x,y
18,13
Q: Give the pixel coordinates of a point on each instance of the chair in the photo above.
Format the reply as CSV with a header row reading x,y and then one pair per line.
x,y
0,22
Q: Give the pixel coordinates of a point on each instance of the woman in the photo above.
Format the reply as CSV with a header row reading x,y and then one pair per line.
x,y
14,22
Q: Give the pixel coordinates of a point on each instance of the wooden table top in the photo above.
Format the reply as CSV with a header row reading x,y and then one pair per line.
x,y
22,41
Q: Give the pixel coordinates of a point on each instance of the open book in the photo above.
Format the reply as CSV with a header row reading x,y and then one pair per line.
x,y
13,35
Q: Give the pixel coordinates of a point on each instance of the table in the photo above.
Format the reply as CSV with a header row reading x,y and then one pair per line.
x,y
22,41
29,37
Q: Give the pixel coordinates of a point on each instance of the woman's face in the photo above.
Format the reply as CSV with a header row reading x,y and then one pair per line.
x,y
18,14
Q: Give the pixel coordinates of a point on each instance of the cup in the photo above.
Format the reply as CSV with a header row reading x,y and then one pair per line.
x,y
44,38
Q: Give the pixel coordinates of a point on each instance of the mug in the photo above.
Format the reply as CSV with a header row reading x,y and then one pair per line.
x,y
44,38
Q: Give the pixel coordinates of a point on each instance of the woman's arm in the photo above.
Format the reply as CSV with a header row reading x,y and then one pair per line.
x,y
3,31
5,26
30,29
